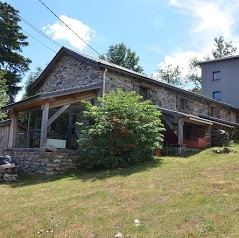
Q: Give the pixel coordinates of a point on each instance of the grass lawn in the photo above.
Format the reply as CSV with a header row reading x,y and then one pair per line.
x,y
193,196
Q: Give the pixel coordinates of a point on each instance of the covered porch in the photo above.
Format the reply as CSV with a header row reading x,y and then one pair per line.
x,y
49,118
185,131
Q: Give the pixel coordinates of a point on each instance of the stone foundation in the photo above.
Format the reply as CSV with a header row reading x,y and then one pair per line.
x,y
35,162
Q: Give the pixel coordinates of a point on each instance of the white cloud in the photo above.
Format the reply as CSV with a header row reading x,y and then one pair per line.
x,y
58,31
181,59
209,19
174,2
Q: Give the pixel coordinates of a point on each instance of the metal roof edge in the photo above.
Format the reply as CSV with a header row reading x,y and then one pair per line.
x,y
232,57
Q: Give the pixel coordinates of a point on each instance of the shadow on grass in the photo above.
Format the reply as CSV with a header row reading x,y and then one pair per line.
x,y
190,154
85,175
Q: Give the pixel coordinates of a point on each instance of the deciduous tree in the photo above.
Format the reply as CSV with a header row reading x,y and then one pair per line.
x,y
223,48
170,74
121,55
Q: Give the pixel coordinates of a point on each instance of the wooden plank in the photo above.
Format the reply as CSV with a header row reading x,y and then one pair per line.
x,y
57,114
30,105
73,98
44,121
13,130
58,101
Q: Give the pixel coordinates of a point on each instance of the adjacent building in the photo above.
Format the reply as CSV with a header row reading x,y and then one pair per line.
x,y
220,79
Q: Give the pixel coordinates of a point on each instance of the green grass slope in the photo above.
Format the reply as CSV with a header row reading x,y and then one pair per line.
x,y
193,196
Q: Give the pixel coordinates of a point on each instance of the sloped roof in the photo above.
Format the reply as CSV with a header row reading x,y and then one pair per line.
x,y
105,64
47,95
233,57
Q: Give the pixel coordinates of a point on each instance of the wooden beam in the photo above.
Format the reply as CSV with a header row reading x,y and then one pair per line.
x,y
180,131
73,98
44,122
57,114
12,130
167,121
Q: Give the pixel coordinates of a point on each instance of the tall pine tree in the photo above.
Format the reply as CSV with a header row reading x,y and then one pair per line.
x,y
12,63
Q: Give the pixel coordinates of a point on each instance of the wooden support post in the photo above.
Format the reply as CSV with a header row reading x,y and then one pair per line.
x,y
209,136
180,131
69,134
44,123
12,130
28,130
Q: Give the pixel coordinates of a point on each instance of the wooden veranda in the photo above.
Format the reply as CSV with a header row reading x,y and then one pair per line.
x,y
61,99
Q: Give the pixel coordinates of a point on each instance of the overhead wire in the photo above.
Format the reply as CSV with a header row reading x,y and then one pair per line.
x,y
39,31
69,27
39,41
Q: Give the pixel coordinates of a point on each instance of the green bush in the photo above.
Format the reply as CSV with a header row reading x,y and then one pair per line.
x,y
124,130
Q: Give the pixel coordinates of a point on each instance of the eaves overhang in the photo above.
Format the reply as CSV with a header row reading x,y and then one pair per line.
x,y
39,99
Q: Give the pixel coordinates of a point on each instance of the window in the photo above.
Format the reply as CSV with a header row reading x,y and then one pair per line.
x,y
212,112
143,92
216,75
183,103
237,118
217,95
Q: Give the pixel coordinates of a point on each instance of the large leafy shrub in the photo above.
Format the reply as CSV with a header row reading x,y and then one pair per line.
x,y
122,130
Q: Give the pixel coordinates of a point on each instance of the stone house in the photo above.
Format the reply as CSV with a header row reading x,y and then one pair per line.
x,y
72,77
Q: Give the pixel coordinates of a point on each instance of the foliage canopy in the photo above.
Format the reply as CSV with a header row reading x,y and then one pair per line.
x,y
31,78
11,42
170,74
124,130
3,94
223,48
121,55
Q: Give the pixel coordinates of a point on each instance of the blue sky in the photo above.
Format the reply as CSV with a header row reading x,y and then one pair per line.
x,y
160,31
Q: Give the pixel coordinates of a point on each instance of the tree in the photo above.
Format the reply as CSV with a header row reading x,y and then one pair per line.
x,y
194,76
11,42
170,74
121,55
223,48
3,94
123,131
31,78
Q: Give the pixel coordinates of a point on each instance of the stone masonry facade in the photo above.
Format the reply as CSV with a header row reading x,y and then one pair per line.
x,y
71,72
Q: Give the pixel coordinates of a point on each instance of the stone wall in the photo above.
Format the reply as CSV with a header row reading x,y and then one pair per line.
x,y
71,72
170,97
35,162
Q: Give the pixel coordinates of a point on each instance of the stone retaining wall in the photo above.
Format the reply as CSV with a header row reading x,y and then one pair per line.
x,y
33,161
